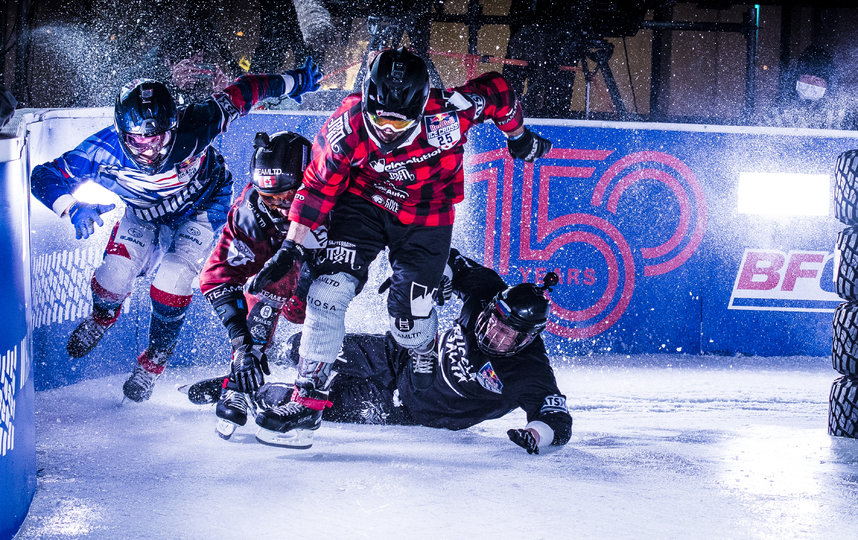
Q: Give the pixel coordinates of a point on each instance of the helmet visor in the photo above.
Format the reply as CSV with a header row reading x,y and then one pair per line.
x,y
147,148
495,338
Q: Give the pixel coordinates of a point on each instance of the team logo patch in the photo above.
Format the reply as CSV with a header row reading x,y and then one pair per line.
x,y
239,253
259,332
422,299
454,352
479,104
342,253
403,325
488,379
338,129
443,130
554,403
230,111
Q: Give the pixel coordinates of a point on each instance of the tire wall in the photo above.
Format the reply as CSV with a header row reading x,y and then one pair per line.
x,y
17,416
843,398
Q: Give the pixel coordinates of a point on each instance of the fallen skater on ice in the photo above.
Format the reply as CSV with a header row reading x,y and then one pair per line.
x,y
491,362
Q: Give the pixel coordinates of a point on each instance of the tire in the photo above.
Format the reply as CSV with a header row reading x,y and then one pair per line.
x,y
846,187
843,408
846,278
844,339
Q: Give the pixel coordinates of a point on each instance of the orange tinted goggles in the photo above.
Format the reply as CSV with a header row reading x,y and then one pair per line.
x,y
279,200
394,123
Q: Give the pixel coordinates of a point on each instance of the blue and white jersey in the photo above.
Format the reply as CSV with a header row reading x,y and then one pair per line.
x,y
193,178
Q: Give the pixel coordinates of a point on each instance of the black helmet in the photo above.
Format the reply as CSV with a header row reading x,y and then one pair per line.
x,y
395,92
146,118
514,317
278,162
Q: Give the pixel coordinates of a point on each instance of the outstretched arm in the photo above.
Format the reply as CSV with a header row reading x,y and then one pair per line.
x,y
491,97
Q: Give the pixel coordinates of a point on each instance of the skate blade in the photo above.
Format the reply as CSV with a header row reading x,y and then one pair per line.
x,y
225,429
297,439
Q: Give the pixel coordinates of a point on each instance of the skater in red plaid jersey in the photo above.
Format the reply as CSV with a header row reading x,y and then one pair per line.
x,y
387,167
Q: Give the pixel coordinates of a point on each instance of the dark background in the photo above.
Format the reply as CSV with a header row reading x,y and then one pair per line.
x,y
719,62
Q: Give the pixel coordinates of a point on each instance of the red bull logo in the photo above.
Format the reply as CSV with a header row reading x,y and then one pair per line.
x,y
771,280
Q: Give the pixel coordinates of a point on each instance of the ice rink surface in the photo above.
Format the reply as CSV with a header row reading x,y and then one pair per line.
x,y
696,447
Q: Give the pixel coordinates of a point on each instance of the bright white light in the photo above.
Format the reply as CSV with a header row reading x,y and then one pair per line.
x,y
92,193
783,194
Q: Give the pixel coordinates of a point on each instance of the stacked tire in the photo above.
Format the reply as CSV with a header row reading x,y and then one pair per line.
x,y
843,399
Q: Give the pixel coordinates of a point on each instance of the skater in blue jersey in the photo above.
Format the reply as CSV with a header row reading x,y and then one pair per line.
x,y
158,159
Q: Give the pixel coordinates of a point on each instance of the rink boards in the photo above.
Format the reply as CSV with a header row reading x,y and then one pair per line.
x,y
651,228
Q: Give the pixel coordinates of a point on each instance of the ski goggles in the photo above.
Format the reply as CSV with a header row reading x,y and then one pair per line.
x,y
280,201
396,124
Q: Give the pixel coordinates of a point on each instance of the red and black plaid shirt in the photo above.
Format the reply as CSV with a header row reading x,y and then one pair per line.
x,y
419,182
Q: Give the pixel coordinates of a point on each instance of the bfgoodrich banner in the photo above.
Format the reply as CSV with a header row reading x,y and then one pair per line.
x,y
666,238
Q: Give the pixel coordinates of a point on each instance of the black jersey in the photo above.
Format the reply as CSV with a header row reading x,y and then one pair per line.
x,y
469,386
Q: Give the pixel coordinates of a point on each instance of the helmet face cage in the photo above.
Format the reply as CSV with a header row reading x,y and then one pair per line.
x,y
146,119
395,92
512,320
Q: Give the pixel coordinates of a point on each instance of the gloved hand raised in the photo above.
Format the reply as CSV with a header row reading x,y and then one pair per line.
x,y
528,146
248,365
524,439
277,266
306,79
85,216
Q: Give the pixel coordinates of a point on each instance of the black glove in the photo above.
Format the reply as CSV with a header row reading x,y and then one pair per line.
x,y
445,288
528,146
524,439
277,266
248,365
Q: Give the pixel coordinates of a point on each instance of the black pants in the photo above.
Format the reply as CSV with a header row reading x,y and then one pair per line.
x,y
363,389
359,230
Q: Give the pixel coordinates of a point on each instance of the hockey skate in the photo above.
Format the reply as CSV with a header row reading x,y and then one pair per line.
x,y
297,439
232,410
422,367
150,365
87,335
293,423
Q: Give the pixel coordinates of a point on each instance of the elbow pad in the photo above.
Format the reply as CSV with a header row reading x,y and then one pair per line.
x,y
229,305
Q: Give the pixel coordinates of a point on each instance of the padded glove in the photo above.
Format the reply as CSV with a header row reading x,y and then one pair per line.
x,y
445,287
277,266
528,146
248,365
85,217
305,79
524,439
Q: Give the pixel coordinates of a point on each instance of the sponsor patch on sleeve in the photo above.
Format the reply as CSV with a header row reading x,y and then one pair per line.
x,y
554,403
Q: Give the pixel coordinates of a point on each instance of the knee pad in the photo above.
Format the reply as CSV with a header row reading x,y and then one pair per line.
x,y
176,275
116,275
414,333
325,323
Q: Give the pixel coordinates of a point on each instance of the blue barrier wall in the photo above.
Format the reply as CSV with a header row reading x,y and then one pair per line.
x,y
642,223
639,220
17,416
